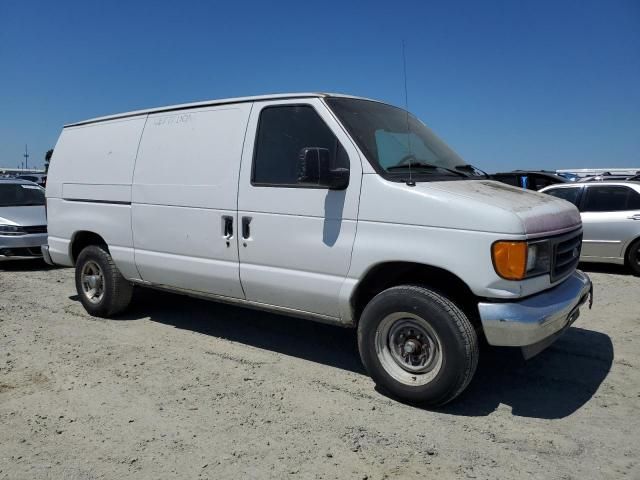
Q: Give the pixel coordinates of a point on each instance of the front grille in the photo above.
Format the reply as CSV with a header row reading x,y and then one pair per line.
x,y
565,255
35,229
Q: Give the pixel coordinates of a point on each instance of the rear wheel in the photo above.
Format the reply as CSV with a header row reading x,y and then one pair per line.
x,y
633,257
101,287
418,345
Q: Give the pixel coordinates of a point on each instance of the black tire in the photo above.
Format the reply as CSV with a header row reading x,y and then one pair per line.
x,y
116,291
443,336
633,257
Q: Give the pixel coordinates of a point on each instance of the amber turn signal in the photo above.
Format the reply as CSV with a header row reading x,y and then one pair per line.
x,y
510,259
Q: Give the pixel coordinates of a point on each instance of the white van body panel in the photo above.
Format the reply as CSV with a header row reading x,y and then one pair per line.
x,y
451,232
299,250
101,154
89,188
111,221
185,181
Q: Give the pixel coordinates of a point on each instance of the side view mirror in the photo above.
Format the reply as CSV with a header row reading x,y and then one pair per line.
x,y
314,169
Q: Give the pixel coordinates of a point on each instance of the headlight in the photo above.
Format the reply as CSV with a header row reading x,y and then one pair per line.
x,y
11,230
515,260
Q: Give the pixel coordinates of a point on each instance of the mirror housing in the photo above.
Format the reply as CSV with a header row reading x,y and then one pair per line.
x,y
314,169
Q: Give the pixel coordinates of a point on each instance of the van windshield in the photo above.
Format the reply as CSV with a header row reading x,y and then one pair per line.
x,y
395,141
20,195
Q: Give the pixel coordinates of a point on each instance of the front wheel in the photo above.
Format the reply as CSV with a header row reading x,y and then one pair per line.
x,y
418,345
101,287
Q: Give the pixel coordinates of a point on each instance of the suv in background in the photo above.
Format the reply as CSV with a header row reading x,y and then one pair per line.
x,y
610,220
530,180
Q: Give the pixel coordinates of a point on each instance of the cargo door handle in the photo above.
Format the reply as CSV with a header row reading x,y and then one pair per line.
x,y
246,230
634,217
227,227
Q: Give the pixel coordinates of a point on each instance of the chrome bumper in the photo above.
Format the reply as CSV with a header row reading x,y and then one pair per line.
x,y
21,246
537,320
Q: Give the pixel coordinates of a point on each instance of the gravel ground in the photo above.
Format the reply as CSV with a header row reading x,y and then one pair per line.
x,y
185,388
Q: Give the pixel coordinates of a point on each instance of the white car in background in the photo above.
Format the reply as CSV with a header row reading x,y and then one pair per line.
x,y
23,220
610,214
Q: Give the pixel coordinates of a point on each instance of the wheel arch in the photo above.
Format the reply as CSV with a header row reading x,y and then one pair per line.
x,y
393,273
82,239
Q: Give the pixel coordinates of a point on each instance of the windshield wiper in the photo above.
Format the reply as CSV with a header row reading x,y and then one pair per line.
x,y
413,165
470,168
429,166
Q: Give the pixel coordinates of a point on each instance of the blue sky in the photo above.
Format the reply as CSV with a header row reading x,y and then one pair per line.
x,y
508,84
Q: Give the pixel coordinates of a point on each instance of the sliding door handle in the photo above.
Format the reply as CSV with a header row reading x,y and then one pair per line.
x,y
634,217
227,227
246,229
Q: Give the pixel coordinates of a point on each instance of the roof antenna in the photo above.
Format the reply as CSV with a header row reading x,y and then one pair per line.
x,y
410,183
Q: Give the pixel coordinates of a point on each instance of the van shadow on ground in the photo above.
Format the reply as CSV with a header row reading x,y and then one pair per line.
x,y
554,384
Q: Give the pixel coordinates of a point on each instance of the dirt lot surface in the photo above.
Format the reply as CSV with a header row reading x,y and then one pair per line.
x,y
185,388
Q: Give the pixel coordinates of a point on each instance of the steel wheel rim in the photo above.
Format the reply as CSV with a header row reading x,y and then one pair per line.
x,y
92,281
408,348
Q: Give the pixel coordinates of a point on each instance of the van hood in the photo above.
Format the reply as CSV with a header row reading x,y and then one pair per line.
x,y
24,216
538,212
480,205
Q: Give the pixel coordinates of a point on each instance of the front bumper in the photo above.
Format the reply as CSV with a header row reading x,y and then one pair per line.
x,y
537,320
46,256
21,246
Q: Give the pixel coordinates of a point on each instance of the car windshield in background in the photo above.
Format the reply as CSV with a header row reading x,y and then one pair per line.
x,y
20,195
395,141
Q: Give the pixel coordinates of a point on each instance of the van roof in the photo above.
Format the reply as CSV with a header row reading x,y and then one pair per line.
x,y
221,101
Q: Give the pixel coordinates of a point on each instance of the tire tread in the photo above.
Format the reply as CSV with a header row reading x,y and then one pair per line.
x,y
462,324
120,289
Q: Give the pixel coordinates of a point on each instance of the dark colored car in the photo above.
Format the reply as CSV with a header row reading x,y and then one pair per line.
x,y
531,180
39,178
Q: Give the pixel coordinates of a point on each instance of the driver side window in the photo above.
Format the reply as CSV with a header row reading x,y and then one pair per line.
x,y
283,132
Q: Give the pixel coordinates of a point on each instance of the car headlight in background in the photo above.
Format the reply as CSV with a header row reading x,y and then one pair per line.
x,y
11,230
516,260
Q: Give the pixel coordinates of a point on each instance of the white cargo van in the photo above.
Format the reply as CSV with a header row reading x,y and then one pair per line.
x,y
333,208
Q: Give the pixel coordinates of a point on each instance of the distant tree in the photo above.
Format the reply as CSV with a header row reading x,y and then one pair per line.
x,y
47,159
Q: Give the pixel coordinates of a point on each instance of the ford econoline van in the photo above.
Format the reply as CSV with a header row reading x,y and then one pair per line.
x,y
327,207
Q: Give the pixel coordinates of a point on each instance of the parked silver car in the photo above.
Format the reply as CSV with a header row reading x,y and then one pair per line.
x,y
23,220
610,218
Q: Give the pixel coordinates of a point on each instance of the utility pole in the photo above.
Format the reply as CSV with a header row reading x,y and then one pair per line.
x,y
26,157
